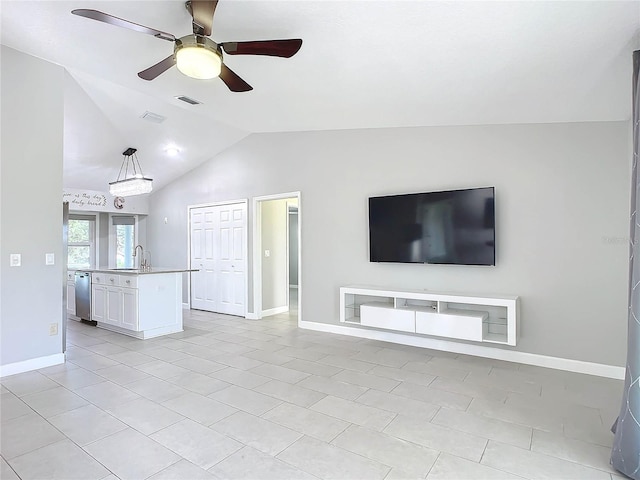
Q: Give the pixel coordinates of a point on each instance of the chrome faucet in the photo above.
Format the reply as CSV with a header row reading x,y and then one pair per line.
x,y
143,261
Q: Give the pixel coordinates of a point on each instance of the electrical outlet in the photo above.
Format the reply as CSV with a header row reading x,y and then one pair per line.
x,y
49,259
53,329
15,259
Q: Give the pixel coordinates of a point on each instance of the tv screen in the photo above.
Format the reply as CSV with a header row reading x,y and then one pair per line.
x,y
452,227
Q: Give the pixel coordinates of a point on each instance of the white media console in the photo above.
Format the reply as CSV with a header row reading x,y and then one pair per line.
x,y
451,315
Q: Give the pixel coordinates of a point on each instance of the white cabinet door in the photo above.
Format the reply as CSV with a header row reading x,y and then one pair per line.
x,y
99,303
463,324
114,306
382,316
71,298
129,308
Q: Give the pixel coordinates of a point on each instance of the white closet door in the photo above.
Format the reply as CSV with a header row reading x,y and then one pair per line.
x,y
232,259
202,282
218,250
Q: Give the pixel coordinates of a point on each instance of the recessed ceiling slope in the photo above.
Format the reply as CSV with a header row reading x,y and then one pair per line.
x,y
102,119
363,65
367,64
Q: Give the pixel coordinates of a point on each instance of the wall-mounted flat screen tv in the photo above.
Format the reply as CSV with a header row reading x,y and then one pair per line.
x,y
452,227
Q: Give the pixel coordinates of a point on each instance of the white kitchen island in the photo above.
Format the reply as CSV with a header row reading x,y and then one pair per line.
x,y
142,303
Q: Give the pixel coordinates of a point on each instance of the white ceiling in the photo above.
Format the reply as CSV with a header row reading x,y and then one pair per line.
x,y
363,64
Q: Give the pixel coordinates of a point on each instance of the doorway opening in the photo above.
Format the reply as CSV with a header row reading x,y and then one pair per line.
x,y
277,288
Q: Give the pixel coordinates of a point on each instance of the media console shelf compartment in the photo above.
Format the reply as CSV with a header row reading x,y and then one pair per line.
x,y
458,316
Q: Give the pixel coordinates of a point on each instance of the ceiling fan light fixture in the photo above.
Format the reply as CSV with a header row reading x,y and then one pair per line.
x,y
198,57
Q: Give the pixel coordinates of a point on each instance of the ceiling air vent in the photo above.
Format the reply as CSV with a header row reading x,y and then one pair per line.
x,y
153,117
188,100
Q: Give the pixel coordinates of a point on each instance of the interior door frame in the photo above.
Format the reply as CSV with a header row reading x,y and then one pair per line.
x,y
246,246
257,251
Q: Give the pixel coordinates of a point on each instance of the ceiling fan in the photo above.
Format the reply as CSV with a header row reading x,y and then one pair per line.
x,y
195,54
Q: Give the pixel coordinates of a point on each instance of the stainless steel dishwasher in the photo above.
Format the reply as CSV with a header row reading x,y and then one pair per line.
x,y
83,295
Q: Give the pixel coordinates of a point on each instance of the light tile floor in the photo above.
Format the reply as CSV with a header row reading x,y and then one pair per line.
x,y
231,398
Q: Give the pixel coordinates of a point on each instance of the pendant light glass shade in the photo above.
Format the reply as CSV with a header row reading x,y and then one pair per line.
x,y
131,181
131,186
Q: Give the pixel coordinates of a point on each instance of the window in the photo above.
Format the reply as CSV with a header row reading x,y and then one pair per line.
x,y
125,238
81,241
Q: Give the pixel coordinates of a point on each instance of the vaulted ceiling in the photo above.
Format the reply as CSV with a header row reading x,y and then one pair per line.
x,y
363,64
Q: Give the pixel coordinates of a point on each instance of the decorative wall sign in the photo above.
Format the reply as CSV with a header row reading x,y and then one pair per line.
x,y
82,200
96,201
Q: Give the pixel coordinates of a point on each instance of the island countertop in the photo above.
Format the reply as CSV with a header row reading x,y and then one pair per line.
x,y
139,271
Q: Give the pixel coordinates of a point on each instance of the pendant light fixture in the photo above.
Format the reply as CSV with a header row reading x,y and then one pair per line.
x,y
131,180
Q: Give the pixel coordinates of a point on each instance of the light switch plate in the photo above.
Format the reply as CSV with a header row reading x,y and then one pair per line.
x,y
49,259
15,259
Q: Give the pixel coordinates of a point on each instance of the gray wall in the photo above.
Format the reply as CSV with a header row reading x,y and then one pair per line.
x,y
103,238
561,206
30,206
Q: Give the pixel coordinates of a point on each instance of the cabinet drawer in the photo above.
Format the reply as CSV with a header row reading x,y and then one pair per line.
x,y
381,316
462,324
130,281
105,279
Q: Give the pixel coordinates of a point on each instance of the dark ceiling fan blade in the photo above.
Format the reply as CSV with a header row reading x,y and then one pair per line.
x,y
202,12
160,67
273,48
119,22
233,81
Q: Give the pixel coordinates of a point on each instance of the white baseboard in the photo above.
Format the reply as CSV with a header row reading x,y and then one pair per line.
x,y
31,364
143,334
275,311
186,306
252,316
556,363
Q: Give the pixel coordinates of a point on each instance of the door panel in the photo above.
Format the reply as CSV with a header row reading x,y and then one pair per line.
x,y
238,288
130,308
225,250
99,303
233,262
114,306
238,238
71,298
208,241
218,250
